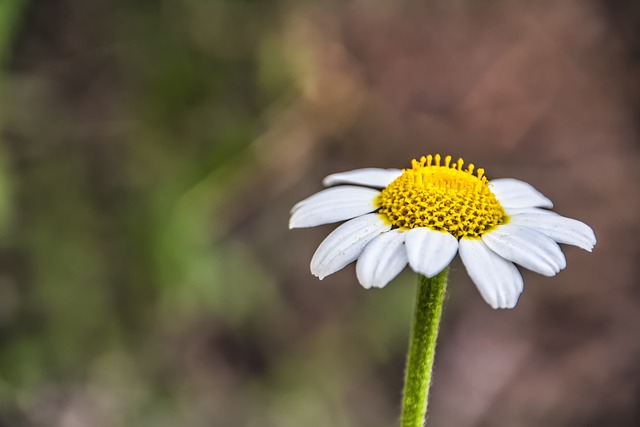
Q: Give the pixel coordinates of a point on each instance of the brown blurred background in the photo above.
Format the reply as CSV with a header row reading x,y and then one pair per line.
x,y
151,151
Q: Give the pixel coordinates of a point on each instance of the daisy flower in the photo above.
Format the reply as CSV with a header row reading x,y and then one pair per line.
x,y
422,216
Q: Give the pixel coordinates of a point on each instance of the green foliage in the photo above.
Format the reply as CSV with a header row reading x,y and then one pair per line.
x,y
130,295
10,16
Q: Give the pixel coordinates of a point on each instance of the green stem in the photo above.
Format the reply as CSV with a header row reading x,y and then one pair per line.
x,y
422,348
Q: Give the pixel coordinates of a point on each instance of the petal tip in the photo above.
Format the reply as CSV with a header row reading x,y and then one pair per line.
x,y
431,273
294,223
510,305
504,304
506,307
316,271
365,285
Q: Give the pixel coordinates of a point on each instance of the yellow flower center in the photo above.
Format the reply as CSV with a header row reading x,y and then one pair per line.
x,y
442,197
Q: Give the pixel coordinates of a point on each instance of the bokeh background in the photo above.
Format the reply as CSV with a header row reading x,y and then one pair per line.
x,y
150,152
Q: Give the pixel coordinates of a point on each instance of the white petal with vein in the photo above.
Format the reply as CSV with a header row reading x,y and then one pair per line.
x,y
345,244
429,251
518,211
382,259
333,205
559,228
372,177
498,280
527,247
513,193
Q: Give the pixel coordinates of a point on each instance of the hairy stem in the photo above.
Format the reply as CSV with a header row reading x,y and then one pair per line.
x,y
422,348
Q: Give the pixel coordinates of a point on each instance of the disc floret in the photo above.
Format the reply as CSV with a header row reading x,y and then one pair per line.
x,y
443,198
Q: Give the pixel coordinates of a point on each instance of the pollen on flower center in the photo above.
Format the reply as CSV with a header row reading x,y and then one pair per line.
x,y
442,197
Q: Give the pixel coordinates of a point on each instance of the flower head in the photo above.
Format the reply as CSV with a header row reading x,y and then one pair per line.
x,y
426,214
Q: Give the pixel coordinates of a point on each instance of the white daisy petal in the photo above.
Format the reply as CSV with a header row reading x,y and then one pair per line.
x,y
527,247
382,259
498,280
513,193
371,177
429,251
559,228
333,205
538,211
345,244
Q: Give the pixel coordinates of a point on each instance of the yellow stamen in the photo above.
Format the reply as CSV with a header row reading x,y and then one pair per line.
x,y
444,198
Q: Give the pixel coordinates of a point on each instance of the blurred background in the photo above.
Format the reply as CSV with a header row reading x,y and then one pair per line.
x,y
150,152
